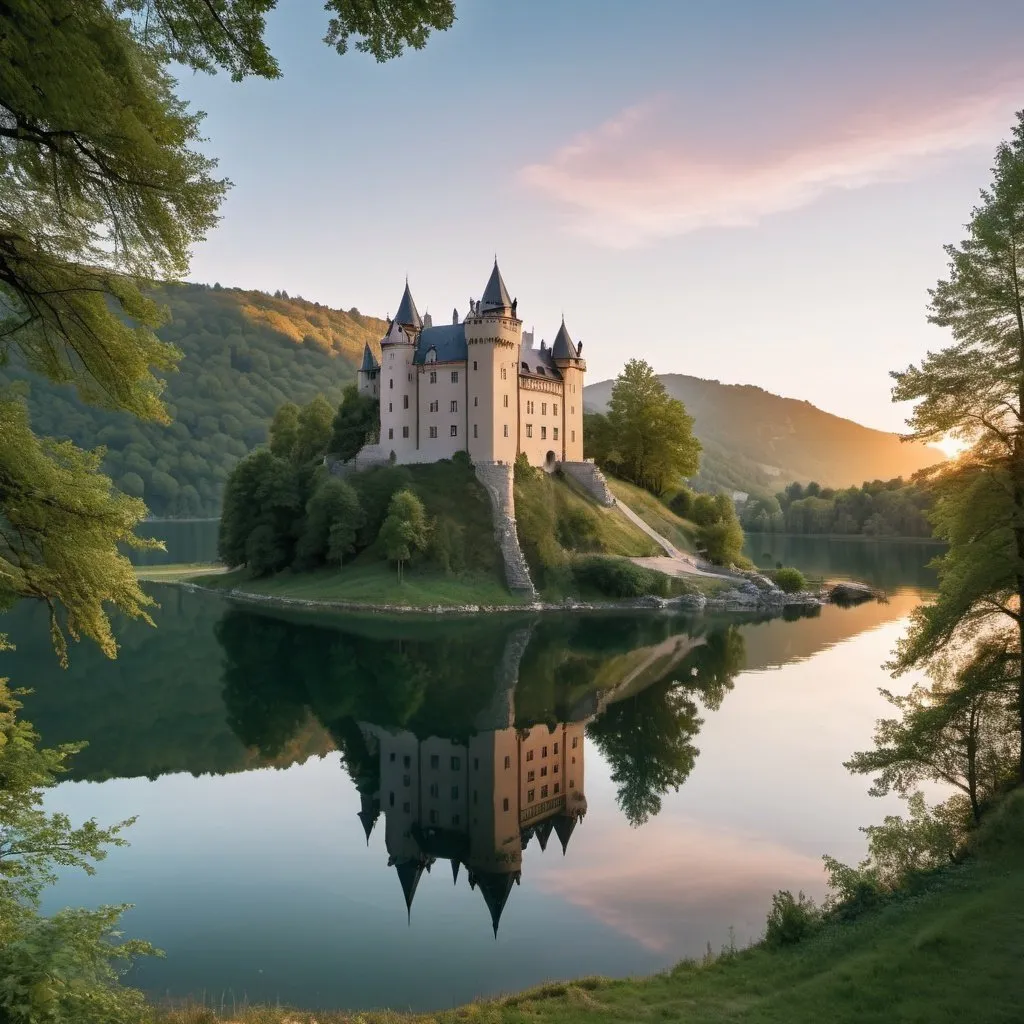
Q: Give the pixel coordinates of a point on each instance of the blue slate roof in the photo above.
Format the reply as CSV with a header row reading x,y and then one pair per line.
x,y
449,341
408,314
495,294
537,362
563,346
369,360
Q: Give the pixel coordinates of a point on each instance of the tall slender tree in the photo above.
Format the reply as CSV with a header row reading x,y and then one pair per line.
x,y
973,390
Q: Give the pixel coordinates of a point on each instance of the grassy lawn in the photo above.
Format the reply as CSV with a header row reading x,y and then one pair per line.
x,y
371,583
616,534
681,532
952,955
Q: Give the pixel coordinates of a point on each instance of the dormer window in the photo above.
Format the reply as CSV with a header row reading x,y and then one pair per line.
x,y
432,355
526,367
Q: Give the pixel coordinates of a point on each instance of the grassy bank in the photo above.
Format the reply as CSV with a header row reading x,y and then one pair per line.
x,y
370,582
952,953
656,514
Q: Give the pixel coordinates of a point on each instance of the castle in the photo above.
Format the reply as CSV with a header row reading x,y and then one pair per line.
x,y
477,386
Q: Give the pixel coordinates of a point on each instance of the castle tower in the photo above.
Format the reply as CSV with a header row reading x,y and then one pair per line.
x,y
369,374
493,337
397,380
568,357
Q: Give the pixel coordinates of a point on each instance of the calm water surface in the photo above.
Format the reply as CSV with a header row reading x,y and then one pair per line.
x,y
364,812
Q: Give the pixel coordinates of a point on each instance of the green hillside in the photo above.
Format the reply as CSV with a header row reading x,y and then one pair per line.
x,y
756,441
244,354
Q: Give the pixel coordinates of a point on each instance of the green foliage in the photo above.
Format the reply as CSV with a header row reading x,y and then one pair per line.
x,y
790,581
791,919
878,508
974,390
284,430
405,530
720,536
579,529
648,438
333,519
357,423
680,501
313,430
63,969
61,523
618,577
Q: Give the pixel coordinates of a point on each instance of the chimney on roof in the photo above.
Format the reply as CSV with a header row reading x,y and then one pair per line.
x,y
455,316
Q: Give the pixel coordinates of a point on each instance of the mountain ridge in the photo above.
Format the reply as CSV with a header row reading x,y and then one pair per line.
x,y
755,440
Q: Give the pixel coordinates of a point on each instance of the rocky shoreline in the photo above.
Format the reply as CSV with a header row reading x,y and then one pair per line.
x,y
755,594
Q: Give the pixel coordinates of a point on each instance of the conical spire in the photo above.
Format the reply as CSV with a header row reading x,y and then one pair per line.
x,y
368,813
408,315
455,871
369,363
409,872
495,886
543,832
495,295
564,827
563,347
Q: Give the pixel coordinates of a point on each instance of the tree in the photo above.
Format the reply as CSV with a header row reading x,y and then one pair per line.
x,y
973,390
284,430
105,190
61,524
63,969
653,435
331,526
405,529
313,430
358,419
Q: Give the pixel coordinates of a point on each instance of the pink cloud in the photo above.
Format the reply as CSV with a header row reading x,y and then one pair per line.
x,y
657,170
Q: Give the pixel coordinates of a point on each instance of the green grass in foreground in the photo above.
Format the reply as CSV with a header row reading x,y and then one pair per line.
x,y
681,532
953,954
371,583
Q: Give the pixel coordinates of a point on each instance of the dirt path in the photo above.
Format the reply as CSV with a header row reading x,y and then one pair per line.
x,y
674,562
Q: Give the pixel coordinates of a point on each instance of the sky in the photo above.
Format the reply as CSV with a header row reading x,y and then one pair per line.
x,y
752,192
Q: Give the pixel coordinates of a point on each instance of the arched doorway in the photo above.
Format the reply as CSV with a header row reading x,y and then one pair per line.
x,y
549,462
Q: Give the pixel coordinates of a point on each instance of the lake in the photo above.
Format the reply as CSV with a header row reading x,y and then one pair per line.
x,y
363,812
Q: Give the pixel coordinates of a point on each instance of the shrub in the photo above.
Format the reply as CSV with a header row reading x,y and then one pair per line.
x,y
789,580
578,530
791,919
681,502
722,542
618,577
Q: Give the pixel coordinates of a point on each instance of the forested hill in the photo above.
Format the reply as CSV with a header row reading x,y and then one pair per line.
x,y
756,441
245,353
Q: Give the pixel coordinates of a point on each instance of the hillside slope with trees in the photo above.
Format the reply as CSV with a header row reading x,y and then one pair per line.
x,y
245,353
753,440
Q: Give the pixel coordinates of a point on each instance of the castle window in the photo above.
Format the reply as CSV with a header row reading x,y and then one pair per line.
x,y
554,409
529,430
405,431
529,755
392,757
391,433
455,792
474,364
554,769
475,401
505,401
572,411
504,804
572,783
504,373
476,764
456,765
554,749
508,764
433,789
530,776
391,799
543,408
391,383
433,431
390,407
405,401
434,406
455,376
544,772
543,751
435,761
556,789
529,795
433,817
407,807
575,741
554,433
506,430
407,761
543,792
455,406
455,430
543,433
455,820
474,430
526,367
406,781
433,376
574,435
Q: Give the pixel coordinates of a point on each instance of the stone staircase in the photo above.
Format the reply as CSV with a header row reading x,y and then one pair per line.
x,y
591,479
497,479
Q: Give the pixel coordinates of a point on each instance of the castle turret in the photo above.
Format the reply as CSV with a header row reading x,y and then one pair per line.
x,y
568,357
493,336
398,411
369,373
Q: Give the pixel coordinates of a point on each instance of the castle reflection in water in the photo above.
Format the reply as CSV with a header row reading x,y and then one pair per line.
x,y
476,804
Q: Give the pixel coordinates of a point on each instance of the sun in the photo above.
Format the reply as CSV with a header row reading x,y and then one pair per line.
x,y
951,447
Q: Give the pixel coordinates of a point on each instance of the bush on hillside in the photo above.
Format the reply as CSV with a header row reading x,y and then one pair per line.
x,y
618,577
791,919
578,530
681,502
789,580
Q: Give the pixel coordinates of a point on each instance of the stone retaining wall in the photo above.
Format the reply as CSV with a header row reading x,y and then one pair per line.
x,y
589,477
497,478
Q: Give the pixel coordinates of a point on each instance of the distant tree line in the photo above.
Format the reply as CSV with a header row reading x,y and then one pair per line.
x,y
879,508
